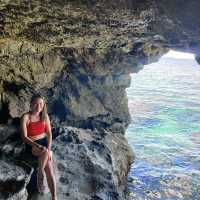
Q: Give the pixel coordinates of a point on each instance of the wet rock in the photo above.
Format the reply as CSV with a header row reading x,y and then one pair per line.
x,y
14,177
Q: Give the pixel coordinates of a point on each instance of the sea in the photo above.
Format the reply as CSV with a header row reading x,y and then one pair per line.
x,y
164,133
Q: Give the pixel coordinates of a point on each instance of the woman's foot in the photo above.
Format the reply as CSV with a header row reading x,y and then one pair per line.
x,y
54,198
40,181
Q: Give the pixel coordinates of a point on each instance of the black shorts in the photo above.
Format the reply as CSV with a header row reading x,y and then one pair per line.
x,y
28,148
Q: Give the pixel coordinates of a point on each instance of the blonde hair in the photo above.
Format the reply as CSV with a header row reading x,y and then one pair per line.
x,y
43,113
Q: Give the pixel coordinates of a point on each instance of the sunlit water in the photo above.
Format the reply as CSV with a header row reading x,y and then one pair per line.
x,y
164,102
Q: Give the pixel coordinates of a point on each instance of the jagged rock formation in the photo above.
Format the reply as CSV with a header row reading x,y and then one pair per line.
x,y
89,166
14,178
79,55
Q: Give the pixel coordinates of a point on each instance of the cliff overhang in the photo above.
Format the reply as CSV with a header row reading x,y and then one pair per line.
x,y
79,55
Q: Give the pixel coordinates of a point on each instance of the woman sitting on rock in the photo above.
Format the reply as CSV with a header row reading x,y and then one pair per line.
x,y
37,136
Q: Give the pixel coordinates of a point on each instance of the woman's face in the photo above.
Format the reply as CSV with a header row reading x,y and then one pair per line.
x,y
37,105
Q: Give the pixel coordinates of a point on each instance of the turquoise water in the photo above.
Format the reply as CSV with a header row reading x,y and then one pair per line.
x,y
164,103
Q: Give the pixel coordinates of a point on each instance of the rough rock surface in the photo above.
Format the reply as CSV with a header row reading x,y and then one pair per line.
x,y
79,54
14,178
90,166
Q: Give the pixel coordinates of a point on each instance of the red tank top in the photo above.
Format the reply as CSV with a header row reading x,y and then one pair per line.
x,y
35,128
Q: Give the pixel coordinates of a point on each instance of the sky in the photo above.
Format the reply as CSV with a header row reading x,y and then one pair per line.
x,y
179,55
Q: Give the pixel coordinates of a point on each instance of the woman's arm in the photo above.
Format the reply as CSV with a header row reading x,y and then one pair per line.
x,y
23,131
48,132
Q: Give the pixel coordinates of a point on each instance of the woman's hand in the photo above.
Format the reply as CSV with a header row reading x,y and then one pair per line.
x,y
38,150
50,153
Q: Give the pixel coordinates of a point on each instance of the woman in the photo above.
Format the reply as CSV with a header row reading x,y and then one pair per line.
x,y
37,136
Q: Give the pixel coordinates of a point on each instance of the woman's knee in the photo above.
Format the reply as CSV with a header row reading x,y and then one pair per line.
x,y
43,157
45,153
48,166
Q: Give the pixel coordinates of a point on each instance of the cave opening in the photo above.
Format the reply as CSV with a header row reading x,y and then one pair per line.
x,y
164,104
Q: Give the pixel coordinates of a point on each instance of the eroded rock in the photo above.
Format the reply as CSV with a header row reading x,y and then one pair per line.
x,y
79,56
14,177
87,167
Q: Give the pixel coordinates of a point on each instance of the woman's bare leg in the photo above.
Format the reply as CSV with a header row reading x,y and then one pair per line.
x,y
51,179
43,160
41,169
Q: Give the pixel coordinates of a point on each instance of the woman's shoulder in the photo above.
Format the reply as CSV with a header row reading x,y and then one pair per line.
x,y
25,115
46,117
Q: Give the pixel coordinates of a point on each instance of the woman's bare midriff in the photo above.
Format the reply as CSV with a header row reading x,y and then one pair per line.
x,y
37,137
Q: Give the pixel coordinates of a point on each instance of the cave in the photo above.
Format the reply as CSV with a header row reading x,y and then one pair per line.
x,y
79,55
